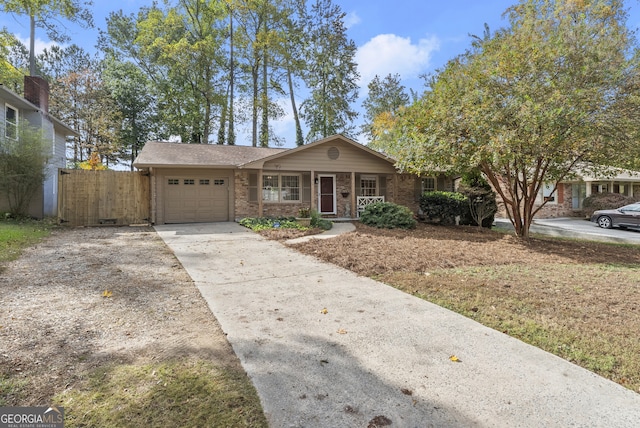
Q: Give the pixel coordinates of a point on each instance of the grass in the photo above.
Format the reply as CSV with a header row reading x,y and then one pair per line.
x,y
577,299
185,393
16,235
493,296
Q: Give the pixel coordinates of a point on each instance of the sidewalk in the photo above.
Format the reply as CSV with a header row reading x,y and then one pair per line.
x,y
326,348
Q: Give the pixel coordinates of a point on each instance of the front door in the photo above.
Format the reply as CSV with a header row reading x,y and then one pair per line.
x,y
327,194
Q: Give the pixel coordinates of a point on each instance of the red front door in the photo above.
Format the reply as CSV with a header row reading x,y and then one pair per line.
x,y
327,196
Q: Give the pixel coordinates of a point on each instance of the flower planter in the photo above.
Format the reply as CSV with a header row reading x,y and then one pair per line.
x,y
306,222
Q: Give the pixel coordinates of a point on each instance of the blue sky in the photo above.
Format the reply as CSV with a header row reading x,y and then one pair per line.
x,y
408,37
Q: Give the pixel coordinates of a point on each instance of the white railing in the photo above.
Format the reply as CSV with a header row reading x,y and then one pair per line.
x,y
363,201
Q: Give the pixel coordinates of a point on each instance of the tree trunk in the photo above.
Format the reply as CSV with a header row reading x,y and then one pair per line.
x,y
32,44
231,136
264,126
296,117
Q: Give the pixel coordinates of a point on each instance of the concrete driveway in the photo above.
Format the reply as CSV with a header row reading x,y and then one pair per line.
x,y
326,348
571,227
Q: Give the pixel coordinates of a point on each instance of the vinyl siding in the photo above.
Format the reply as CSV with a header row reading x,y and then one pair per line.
x,y
350,159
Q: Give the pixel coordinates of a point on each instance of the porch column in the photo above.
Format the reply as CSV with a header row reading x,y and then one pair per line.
x,y
312,191
260,193
354,196
587,192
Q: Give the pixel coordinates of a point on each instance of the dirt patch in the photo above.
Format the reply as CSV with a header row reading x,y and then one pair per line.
x,y
88,297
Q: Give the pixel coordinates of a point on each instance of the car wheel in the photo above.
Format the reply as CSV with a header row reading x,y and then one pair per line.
x,y
605,222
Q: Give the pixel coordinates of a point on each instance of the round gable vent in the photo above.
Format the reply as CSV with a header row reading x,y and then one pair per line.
x,y
333,153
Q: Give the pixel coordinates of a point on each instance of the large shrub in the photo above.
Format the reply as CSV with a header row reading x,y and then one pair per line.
x,y
388,215
481,206
443,207
604,201
23,161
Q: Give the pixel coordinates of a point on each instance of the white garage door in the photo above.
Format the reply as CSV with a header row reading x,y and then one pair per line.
x,y
196,199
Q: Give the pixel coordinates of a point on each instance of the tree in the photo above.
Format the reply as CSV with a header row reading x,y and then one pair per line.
x,y
23,163
44,13
179,50
556,90
13,61
133,96
331,74
385,97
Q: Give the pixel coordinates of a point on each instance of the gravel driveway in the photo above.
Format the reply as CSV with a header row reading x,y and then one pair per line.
x,y
56,324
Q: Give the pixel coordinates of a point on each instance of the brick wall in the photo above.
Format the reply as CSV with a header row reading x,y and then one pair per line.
x,y
243,208
404,192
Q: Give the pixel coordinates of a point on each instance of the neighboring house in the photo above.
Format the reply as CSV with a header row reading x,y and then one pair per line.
x,y
567,200
34,108
335,176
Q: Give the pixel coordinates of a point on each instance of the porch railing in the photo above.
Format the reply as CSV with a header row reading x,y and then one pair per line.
x,y
363,201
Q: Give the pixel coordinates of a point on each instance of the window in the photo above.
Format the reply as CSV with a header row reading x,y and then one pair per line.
x,y
10,122
368,185
280,188
549,193
428,184
173,181
218,182
204,181
189,181
290,187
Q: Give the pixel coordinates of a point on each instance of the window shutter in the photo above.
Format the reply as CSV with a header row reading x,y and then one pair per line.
x,y
417,188
382,182
253,187
306,187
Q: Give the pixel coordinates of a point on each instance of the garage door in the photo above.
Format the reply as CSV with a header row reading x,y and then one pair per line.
x,y
196,199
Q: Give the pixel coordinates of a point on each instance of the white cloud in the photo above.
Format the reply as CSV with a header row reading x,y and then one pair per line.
x,y
389,53
351,19
39,45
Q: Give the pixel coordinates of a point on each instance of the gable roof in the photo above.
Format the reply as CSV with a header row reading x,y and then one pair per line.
x,y
24,104
161,154
258,163
165,154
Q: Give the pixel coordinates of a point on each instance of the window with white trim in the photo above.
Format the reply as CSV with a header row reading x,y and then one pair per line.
x,y
281,187
428,184
368,185
10,122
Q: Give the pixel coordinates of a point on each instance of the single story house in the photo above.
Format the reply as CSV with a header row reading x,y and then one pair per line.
x,y
34,109
567,200
335,176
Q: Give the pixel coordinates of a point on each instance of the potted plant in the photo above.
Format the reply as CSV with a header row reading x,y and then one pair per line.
x,y
304,216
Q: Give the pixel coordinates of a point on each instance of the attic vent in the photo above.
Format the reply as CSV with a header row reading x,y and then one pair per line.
x,y
333,153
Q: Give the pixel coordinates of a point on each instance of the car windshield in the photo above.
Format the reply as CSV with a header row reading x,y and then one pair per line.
x,y
632,207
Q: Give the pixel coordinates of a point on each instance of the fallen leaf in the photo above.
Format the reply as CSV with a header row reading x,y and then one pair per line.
x,y
342,331
324,311
107,293
455,359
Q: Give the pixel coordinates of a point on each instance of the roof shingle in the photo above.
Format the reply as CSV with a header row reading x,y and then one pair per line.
x,y
163,154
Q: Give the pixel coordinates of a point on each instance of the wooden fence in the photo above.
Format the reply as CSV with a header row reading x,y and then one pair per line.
x,y
88,198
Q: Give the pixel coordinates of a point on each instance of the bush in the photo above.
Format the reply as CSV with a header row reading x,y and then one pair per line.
x,y
388,215
265,223
481,206
319,222
443,207
604,201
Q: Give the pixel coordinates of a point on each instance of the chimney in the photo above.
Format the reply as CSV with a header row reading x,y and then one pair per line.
x,y
36,91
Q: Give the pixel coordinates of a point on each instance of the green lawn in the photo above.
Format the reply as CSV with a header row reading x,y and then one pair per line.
x,y
16,235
